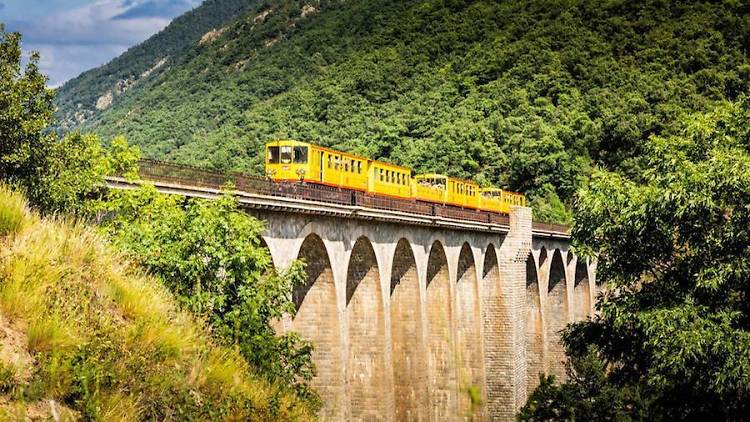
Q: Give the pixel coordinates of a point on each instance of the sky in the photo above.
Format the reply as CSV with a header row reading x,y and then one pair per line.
x,y
72,36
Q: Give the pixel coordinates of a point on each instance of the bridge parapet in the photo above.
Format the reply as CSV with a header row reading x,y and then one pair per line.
x,y
194,181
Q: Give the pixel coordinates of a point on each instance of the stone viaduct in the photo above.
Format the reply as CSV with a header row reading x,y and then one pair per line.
x,y
416,319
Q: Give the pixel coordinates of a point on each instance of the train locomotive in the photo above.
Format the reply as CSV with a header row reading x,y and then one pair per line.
x,y
373,182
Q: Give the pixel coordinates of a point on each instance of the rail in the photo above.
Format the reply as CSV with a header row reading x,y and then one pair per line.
x,y
164,172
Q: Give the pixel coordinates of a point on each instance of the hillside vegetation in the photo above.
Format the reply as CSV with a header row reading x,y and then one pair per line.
x,y
525,95
95,89
87,335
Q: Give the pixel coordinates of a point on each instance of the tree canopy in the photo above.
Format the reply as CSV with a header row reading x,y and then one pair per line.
x,y
673,329
56,174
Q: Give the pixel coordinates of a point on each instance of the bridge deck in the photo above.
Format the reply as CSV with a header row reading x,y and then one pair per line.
x,y
260,193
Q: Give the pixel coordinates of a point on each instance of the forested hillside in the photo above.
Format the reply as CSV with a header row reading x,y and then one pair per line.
x,y
96,89
525,95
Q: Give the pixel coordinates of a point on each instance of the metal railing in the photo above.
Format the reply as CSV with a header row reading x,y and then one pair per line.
x,y
164,172
550,227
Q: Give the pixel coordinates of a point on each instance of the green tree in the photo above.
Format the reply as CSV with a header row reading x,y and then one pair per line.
x,y
674,326
548,207
56,175
209,254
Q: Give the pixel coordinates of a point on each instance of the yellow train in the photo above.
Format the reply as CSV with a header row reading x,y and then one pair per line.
x,y
293,161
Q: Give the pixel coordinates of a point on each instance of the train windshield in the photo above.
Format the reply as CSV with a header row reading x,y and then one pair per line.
x,y
438,183
273,155
492,193
286,155
300,155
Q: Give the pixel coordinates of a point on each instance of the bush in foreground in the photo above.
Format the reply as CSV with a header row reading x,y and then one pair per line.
x,y
85,335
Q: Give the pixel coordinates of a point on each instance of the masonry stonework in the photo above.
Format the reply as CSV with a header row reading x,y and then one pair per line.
x,y
417,323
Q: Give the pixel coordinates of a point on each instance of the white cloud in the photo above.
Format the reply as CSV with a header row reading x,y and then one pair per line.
x,y
63,62
72,41
90,24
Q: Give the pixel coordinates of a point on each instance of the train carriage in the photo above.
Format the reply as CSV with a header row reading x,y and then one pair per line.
x,y
430,188
390,180
293,161
288,161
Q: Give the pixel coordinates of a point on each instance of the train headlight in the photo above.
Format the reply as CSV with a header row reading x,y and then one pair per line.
x,y
270,173
300,173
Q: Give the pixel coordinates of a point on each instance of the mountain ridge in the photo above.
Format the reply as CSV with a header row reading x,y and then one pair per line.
x,y
96,89
528,96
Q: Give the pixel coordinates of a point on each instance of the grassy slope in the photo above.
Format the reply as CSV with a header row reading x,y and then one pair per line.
x,y
514,93
87,335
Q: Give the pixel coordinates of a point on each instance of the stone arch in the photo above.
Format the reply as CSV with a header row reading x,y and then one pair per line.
x,y
498,345
409,366
442,384
557,314
367,388
534,325
542,257
468,336
581,292
317,320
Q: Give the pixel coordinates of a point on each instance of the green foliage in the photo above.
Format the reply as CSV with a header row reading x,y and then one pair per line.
x,y
672,251
56,175
585,396
11,211
87,334
548,207
208,253
516,94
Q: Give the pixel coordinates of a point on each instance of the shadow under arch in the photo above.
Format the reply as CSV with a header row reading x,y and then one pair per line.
x,y
468,338
581,292
535,351
557,315
367,387
442,381
409,364
317,320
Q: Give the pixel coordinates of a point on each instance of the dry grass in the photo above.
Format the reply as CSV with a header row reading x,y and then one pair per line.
x,y
105,342
12,211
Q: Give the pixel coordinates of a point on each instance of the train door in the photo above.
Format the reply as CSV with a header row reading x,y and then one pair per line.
x,y
320,165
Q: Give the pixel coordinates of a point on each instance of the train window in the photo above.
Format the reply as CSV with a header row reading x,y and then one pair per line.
x,y
300,155
380,172
346,165
336,162
273,155
286,155
359,167
329,161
